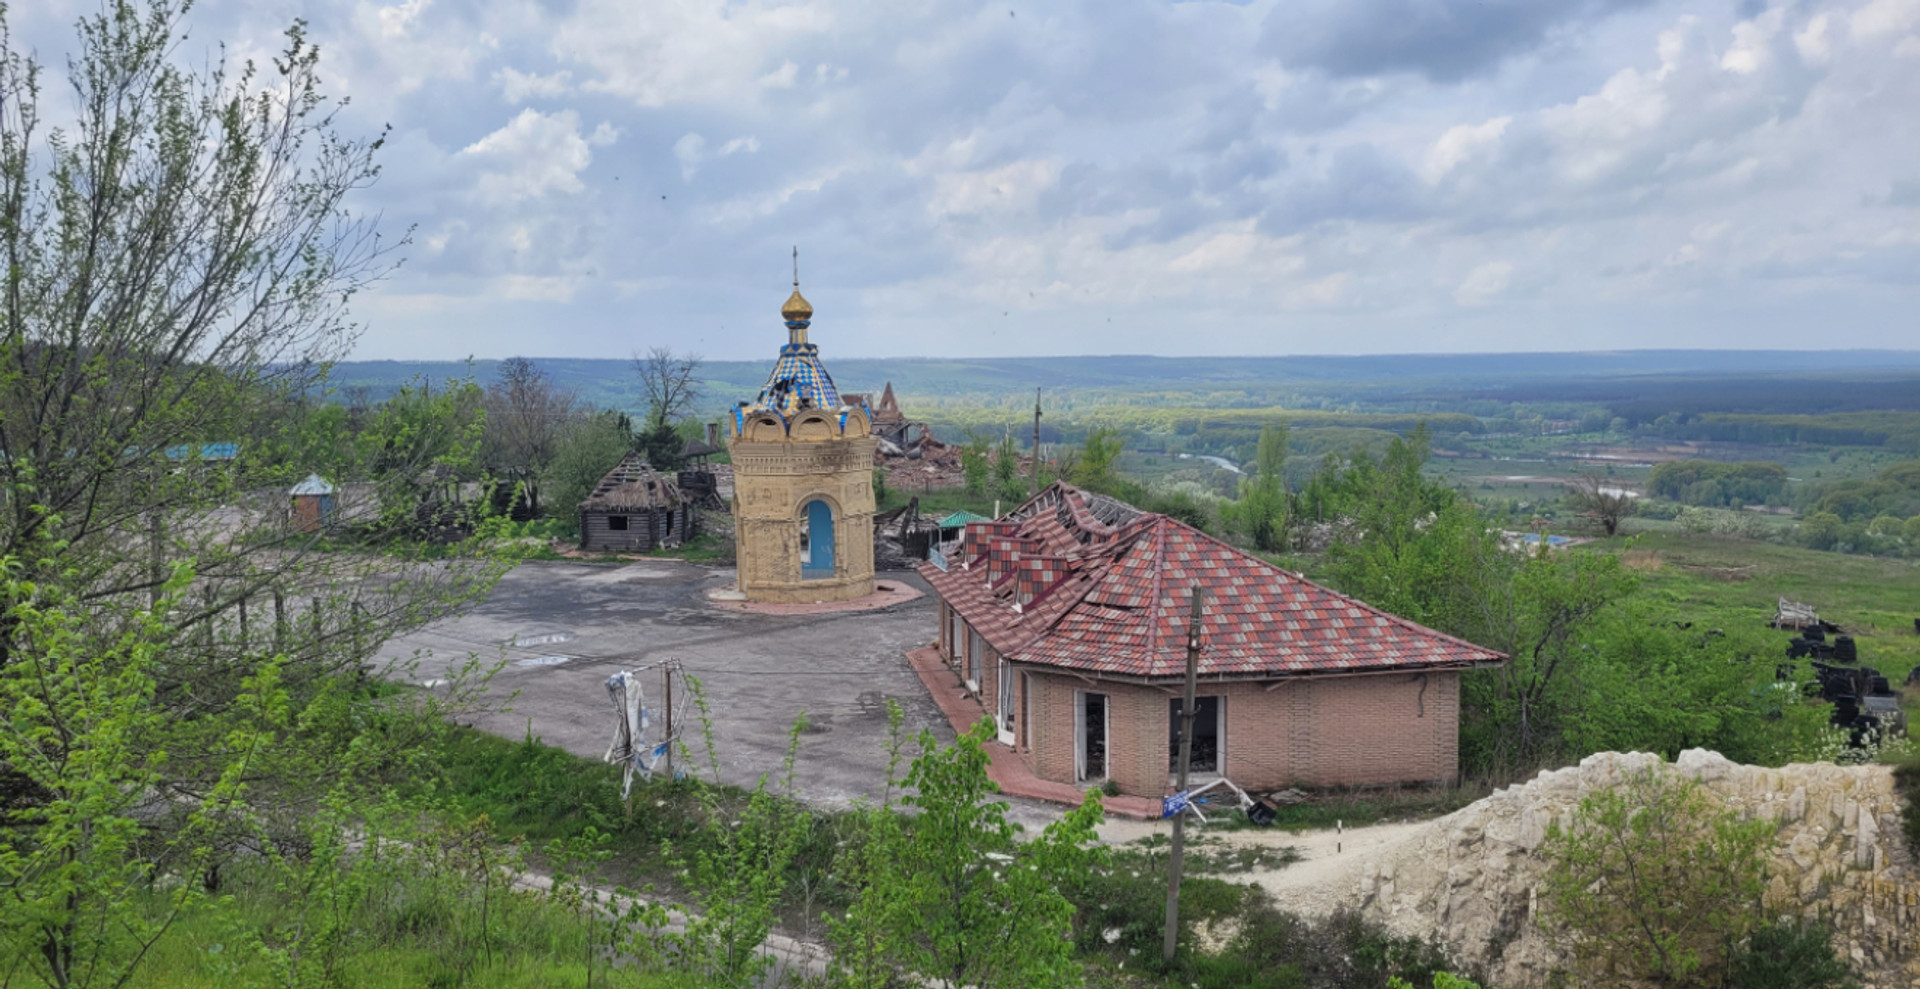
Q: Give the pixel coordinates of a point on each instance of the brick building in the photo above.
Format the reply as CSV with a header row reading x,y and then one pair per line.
x,y
802,480
1068,620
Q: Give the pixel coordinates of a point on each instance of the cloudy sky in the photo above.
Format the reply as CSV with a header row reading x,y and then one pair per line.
x,y
1125,176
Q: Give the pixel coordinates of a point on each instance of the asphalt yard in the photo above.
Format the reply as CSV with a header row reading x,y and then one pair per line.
x,y
560,629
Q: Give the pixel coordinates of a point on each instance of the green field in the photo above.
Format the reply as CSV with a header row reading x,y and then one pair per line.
x,y
1732,583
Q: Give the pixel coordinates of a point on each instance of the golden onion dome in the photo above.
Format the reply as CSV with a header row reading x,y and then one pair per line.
x,y
797,308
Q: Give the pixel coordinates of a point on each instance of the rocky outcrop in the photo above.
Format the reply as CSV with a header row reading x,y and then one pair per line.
x,y
1469,879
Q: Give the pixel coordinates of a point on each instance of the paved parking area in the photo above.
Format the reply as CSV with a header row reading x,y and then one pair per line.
x,y
563,628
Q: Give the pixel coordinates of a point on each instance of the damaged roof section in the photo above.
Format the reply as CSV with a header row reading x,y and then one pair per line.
x,y
633,486
1085,582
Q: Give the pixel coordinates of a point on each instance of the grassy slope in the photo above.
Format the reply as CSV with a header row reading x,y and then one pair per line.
x,y
1735,582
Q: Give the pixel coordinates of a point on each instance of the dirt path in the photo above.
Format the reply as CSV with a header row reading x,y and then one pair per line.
x,y
1330,861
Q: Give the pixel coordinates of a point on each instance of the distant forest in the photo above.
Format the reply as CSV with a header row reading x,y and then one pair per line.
x,y
1638,386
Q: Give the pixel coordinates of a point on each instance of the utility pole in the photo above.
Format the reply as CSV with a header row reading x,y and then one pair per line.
x,y
1036,441
1178,851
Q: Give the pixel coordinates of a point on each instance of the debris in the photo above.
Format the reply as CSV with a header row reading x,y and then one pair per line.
x,y
1794,615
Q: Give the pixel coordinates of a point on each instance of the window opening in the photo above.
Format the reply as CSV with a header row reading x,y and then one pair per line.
x,y
1206,735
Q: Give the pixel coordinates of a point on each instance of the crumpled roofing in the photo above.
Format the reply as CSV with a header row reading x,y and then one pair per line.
x,y
1121,605
633,486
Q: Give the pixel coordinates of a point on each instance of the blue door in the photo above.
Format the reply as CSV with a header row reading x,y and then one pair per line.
x,y
816,540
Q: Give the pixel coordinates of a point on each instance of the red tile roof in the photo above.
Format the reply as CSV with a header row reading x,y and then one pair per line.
x,y
1121,602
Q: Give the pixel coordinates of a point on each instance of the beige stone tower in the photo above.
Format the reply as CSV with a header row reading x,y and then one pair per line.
x,y
802,480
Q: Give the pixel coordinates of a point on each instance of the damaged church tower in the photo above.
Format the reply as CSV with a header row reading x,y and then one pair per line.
x,y
802,479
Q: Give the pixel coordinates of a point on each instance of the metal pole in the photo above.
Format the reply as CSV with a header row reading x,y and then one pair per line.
x,y
1177,852
669,692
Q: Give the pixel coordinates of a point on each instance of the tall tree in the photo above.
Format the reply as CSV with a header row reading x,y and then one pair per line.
x,y
670,385
177,264
1606,505
1263,497
526,416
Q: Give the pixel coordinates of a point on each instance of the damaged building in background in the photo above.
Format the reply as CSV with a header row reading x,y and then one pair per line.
x,y
636,510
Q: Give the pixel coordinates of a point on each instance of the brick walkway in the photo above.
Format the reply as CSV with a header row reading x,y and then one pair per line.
x,y
1007,769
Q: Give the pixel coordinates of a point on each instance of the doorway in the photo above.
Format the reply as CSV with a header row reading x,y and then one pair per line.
x,y
1005,702
1089,736
816,540
1207,735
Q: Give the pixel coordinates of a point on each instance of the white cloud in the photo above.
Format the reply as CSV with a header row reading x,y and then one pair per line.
x,y
1597,131
1812,40
1484,283
945,162
688,51
1010,187
1461,143
535,154
519,87
1885,17
1752,42
691,151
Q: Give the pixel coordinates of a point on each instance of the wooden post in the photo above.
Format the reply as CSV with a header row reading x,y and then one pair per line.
x,y
279,622
1178,850
1036,441
243,623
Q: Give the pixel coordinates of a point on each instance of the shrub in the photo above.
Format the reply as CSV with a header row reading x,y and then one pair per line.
x,y
1789,954
1655,881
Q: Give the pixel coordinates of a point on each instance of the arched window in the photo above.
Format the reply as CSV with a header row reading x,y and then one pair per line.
x,y
816,540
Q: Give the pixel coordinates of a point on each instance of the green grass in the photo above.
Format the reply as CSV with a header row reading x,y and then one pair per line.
x,y
1721,582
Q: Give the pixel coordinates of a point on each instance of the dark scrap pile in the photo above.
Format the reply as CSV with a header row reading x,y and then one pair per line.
x,y
1863,702
1812,643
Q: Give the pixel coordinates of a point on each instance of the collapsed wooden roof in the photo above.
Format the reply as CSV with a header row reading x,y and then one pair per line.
x,y
633,486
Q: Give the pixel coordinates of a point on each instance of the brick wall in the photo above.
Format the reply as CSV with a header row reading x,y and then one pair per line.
x,y
1325,731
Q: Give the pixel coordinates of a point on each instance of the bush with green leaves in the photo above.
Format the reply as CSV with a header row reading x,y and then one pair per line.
x,y
1789,954
952,894
1655,881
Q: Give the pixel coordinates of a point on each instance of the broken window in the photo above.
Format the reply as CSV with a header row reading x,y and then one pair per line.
x,y
1206,735
617,523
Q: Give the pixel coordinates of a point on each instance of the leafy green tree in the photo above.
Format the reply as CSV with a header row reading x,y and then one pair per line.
x,y
1821,530
1098,463
587,449
1538,609
206,295
1262,509
1655,881
974,465
954,895
78,738
1405,543
1007,482
526,415
423,442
